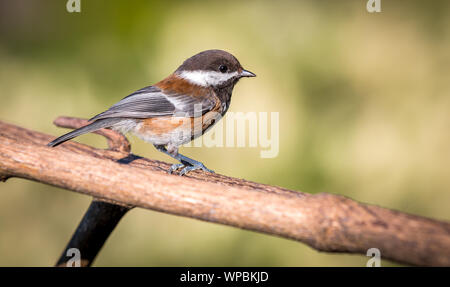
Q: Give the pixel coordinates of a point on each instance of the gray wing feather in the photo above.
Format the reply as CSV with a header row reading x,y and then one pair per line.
x,y
192,106
100,124
151,102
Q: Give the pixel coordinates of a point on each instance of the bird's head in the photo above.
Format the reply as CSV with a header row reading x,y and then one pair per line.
x,y
212,68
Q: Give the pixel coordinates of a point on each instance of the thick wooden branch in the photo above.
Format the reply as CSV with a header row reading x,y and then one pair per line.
x,y
326,222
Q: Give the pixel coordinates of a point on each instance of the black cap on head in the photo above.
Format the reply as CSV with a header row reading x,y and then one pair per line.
x,y
211,60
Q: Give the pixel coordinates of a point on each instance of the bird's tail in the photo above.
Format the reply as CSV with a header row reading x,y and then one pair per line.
x,y
98,124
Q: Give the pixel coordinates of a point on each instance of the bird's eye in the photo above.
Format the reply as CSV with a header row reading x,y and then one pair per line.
x,y
223,68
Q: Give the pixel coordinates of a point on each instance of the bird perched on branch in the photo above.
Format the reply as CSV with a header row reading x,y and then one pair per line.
x,y
177,109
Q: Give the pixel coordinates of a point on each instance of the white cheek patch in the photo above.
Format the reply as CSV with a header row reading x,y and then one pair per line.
x,y
206,78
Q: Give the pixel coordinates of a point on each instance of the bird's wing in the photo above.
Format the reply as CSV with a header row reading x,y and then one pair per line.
x,y
152,102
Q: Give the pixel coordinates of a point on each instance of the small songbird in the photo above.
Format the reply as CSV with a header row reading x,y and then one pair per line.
x,y
175,110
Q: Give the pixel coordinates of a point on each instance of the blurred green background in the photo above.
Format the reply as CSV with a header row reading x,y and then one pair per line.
x,y
364,103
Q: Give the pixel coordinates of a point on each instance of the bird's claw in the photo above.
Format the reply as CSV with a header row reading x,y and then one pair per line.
x,y
188,168
175,167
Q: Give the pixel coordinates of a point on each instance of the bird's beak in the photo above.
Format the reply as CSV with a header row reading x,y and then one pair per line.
x,y
246,73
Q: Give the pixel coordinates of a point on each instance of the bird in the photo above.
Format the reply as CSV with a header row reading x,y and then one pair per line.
x,y
176,110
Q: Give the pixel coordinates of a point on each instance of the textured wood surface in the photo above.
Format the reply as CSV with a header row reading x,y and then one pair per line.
x,y
324,221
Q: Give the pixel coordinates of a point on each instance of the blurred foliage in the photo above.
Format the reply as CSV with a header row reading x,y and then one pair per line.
x,y
363,101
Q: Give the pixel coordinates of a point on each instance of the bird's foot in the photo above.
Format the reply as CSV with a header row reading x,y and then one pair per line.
x,y
188,168
175,167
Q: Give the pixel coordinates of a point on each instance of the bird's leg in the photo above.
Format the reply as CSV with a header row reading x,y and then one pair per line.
x,y
188,164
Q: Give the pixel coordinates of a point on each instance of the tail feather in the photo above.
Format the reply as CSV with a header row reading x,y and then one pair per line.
x,y
99,124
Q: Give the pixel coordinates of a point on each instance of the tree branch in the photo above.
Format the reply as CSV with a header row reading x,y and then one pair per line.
x,y
326,222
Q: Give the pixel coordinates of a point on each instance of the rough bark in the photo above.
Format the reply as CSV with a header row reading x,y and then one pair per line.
x,y
326,222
